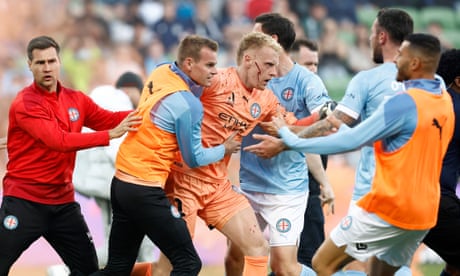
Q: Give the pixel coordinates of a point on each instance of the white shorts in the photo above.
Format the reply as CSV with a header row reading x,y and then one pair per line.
x,y
366,235
283,214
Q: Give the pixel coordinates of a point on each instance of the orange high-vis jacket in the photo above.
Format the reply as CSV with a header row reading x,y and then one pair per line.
x,y
148,153
405,190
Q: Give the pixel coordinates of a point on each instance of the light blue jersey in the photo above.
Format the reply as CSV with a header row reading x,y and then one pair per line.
x,y
365,92
301,92
393,122
181,113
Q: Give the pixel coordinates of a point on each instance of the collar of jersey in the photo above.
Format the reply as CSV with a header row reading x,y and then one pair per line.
x,y
195,88
433,86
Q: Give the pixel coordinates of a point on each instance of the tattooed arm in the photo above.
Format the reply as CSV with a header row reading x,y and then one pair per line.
x,y
326,126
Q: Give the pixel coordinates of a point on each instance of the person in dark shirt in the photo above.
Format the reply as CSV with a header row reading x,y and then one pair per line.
x,y
444,238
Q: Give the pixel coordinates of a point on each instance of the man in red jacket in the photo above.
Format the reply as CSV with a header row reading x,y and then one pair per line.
x,y
44,133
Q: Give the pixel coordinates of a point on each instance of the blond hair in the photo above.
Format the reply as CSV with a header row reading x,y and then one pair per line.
x,y
256,40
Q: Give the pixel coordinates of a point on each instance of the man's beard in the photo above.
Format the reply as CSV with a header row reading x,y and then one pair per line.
x,y
377,56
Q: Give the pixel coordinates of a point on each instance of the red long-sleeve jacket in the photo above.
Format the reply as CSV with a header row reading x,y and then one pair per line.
x,y
44,134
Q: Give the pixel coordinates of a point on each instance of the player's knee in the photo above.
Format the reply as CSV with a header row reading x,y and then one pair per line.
x,y
262,247
265,248
257,248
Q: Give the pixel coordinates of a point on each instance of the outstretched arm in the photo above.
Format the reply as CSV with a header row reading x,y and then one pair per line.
x,y
396,116
271,146
325,127
130,123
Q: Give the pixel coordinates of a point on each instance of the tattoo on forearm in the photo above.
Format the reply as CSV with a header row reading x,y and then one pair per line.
x,y
324,127
346,119
320,128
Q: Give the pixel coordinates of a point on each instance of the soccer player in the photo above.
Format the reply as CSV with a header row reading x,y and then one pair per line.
x,y
363,95
388,223
277,188
171,123
444,238
44,133
94,168
305,52
236,101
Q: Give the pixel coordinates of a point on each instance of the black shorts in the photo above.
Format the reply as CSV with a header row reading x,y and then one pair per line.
x,y
62,226
444,238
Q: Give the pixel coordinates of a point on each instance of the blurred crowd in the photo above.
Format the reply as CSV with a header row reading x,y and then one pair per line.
x,y
101,39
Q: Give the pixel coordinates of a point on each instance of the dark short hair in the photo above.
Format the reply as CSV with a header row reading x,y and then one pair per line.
x,y
308,43
396,22
449,65
41,42
428,47
275,24
426,43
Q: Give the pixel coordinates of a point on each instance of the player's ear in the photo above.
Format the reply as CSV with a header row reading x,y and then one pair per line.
x,y
415,63
187,64
382,37
247,58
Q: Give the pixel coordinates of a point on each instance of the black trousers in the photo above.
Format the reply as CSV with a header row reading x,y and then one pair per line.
x,y
312,235
141,210
444,238
62,226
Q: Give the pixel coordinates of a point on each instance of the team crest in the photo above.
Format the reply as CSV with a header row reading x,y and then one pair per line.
x,y
74,115
255,110
10,222
283,225
346,222
175,212
287,94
